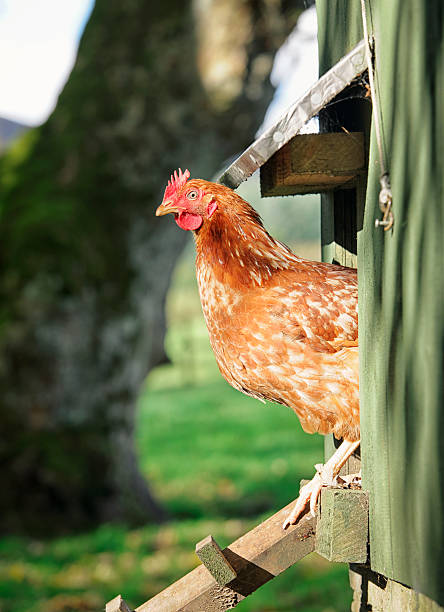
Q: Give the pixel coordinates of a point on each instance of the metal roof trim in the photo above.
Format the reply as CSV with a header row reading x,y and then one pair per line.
x,y
327,87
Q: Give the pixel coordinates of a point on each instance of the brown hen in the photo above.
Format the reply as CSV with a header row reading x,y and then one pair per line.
x,y
282,328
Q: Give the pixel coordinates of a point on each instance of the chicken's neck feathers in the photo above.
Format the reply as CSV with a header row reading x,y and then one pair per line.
x,y
240,251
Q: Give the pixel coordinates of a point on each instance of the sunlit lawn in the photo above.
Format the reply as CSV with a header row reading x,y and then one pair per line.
x,y
218,461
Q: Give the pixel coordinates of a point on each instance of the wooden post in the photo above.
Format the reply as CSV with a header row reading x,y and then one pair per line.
x,y
342,527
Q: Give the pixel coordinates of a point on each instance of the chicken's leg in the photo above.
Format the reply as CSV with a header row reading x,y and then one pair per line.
x,y
325,477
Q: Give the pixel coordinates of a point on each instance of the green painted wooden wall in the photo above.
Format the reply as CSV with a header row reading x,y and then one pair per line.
x,y
401,287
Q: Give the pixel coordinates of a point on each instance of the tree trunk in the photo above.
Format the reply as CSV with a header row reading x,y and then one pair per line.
x,y
86,266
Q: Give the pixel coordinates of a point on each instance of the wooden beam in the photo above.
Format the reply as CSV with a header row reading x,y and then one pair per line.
x,y
226,577
342,527
211,555
313,163
256,557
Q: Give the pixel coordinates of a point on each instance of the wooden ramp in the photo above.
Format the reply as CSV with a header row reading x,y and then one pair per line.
x,y
227,576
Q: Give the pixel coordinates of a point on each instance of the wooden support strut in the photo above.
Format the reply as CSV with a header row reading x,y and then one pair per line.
x,y
211,555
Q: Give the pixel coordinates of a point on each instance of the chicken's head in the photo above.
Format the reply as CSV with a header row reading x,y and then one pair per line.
x,y
187,200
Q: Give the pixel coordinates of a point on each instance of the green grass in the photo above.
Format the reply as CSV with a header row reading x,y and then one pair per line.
x,y
219,462
240,457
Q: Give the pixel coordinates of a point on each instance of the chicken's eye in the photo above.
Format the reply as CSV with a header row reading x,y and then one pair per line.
x,y
192,195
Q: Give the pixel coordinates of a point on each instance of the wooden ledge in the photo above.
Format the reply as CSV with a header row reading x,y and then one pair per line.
x,y
313,163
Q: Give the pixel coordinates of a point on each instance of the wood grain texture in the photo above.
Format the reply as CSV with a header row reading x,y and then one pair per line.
x,y
257,557
401,289
342,209
313,163
342,527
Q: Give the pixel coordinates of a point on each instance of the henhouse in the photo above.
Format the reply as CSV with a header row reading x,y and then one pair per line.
x,y
378,161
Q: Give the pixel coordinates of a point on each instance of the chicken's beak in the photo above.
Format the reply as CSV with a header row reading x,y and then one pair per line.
x,y
166,208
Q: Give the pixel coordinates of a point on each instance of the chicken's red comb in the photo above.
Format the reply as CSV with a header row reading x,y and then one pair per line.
x,y
177,180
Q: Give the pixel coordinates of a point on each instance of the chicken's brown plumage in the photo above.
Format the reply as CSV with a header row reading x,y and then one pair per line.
x,y
282,328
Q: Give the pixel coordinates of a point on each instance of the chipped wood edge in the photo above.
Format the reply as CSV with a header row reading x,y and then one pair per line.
x,y
118,604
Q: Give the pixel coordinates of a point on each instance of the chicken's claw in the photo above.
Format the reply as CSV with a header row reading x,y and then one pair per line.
x,y
310,492
326,475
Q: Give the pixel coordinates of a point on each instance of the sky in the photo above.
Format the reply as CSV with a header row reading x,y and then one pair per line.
x,y
38,45
295,69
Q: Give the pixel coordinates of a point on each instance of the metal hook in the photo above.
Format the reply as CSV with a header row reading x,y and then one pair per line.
x,y
385,204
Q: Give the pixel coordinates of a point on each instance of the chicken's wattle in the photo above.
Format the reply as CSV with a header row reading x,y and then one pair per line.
x,y
188,221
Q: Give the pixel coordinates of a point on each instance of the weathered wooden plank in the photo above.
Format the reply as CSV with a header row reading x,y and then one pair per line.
x,y
342,527
313,163
117,605
209,552
257,557
321,93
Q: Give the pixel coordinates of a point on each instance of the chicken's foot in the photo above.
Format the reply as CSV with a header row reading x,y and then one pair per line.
x,y
326,476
